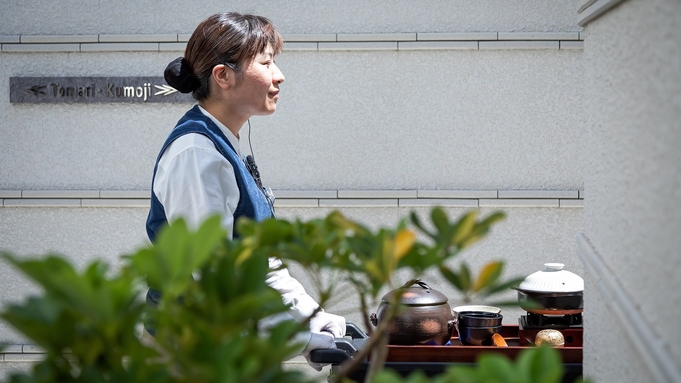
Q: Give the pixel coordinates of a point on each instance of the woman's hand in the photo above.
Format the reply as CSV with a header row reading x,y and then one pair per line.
x,y
318,341
333,324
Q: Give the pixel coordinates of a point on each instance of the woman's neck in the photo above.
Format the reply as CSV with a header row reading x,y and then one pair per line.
x,y
229,118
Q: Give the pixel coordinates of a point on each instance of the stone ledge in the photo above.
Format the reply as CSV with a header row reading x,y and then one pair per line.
x,y
299,42
311,198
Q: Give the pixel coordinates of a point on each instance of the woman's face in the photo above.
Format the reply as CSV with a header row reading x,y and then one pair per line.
x,y
258,89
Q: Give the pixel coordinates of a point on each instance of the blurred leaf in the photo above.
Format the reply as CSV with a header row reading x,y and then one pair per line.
x,y
540,365
465,276
503,287
417,222
454,278
489,274
463,228
404,241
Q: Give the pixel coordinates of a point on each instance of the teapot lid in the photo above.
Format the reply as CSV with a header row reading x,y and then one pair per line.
x,y
553,279
417,293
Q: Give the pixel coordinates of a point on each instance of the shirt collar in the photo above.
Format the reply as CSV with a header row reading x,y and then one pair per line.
x,y
228,133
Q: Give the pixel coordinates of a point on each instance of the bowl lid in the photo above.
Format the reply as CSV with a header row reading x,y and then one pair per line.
x,y
489,309
553,279
417,293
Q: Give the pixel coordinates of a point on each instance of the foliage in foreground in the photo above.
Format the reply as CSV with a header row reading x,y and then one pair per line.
x,y
215,299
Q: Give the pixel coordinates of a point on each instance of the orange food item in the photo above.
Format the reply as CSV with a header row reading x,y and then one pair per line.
x,y
499,340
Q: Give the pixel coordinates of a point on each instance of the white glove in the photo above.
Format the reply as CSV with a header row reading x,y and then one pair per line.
x,y
333,324
317,341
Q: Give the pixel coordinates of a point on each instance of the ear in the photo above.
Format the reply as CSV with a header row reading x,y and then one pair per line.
x,y
223,76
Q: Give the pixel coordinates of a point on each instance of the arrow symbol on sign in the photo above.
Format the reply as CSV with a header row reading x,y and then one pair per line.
x,y
165,90
35,90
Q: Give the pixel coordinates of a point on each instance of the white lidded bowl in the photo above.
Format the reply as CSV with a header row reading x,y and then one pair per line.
x,y
482,308
553,279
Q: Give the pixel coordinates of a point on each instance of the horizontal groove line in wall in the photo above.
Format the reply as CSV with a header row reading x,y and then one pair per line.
x,y
10,39
437,45
157,38
368,37
293,42
31,349
52,202
312,37
12,358
40,48
519,44
172,47
377,194
303,194
315,194
538,36
537,194
58,39
120,202
578,203
12,349
358,46
571,45
301,46
519,202
457,36
358,202
57,194
458,194
118,47
451,202
113,194
300,202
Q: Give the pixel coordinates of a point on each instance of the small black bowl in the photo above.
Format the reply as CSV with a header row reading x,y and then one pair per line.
x,y
477,336
479,319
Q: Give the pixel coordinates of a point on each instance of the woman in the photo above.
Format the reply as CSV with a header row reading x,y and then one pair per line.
x,y
229,68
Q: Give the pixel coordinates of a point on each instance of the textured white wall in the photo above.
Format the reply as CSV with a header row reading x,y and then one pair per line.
x,y
346,120
37,17
632,212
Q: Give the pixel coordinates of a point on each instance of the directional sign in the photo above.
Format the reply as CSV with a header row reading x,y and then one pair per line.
x,y
93,90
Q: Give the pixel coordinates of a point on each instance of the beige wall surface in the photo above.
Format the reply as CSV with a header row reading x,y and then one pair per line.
x,y
353,120
632,214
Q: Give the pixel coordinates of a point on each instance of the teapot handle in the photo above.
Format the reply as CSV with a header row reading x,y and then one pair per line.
x,y
416,281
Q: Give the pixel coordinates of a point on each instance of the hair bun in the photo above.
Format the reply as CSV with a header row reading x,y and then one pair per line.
x,y
180,76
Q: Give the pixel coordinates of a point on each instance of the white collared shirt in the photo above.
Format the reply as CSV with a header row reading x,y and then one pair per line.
x,y
194,181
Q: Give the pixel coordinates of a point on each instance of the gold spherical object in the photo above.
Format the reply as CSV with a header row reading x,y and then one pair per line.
x,y
551,337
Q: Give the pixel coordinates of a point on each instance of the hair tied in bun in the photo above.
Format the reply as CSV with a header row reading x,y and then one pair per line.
x,y
180,76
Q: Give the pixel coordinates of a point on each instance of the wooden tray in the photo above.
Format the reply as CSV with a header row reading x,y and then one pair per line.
x,y
456,352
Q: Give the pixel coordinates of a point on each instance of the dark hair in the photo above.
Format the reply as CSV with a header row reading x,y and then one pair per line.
x,y
224,38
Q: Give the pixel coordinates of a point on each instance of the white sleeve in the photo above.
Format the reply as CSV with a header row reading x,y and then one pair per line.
x,y
194,181
292,292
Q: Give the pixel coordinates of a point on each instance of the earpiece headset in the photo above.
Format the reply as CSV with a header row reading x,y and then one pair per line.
x,y
253,169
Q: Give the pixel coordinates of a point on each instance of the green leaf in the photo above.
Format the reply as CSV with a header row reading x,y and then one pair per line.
x,y
441,223
454,278
489,274
463,228
417,222
502,287
465,275
540,365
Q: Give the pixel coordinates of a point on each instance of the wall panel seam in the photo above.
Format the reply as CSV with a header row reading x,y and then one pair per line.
x,y
142,42
312,198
